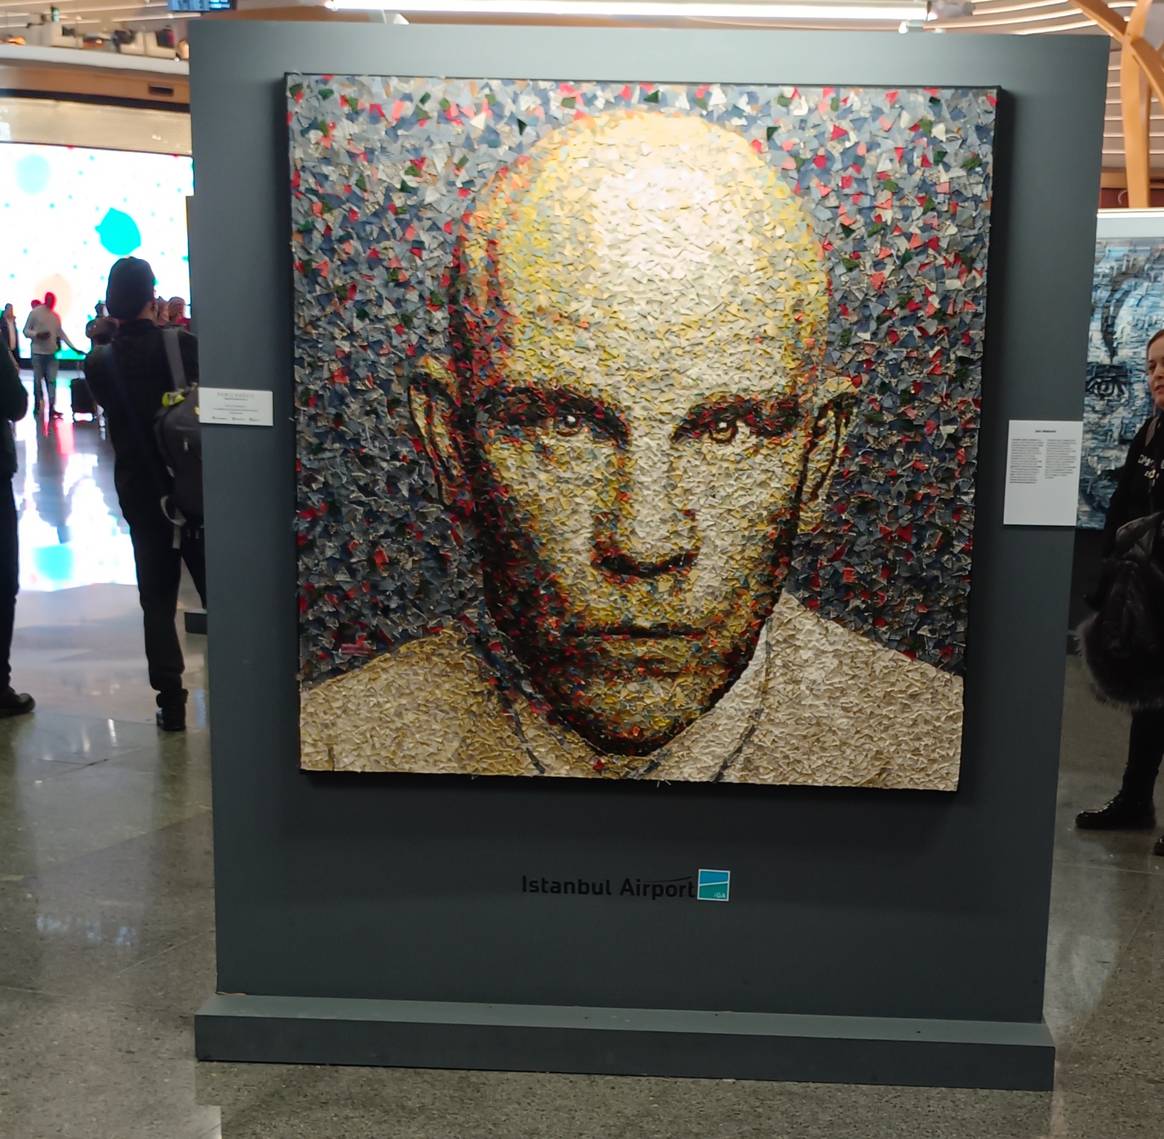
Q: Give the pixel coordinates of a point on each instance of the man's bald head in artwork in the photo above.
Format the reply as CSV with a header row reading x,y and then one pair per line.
x,y
634,412
633,223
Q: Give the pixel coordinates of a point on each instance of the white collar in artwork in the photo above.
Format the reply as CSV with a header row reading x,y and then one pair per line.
x,y
701,751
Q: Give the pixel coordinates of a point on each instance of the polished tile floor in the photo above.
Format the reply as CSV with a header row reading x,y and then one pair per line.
x,y
106,920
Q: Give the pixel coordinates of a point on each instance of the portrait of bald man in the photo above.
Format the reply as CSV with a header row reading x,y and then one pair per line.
x,y
635,465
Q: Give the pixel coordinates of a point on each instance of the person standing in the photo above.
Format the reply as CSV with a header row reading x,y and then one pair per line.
x,y
1140,492
9,333
176,313
102,328
128,379
13,406
43,328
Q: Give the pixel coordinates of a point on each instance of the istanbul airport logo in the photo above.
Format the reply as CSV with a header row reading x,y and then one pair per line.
x,y
706,886
714,886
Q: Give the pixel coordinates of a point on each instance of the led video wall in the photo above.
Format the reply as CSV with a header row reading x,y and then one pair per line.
x,y
67,213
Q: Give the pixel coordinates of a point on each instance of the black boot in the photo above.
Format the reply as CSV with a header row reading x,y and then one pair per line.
x,y
1158,849
1123,813
1131,809
15,703
171,715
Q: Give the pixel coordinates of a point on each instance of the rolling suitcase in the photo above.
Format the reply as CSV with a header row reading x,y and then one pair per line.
x,y
82,399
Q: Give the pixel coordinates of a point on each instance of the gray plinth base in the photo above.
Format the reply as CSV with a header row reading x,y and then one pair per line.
x,y
755,1046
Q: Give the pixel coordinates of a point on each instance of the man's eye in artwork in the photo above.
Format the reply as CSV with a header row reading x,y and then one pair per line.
x,y
723,421
723,430
566,423
527,413
1107,381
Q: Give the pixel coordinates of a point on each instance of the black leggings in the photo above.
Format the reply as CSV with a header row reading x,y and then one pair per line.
x,y
1145,750
9,576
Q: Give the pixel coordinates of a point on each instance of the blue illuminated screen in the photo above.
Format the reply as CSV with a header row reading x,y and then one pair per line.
x,y
67,213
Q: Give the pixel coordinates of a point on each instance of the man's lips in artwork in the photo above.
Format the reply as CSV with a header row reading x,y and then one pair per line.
x,y
630,631
636,650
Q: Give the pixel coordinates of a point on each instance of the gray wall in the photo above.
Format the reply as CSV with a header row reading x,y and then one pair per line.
x,y
845,902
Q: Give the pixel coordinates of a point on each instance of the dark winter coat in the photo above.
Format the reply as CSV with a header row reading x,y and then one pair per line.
x,y
13,405
1123,642
1140,490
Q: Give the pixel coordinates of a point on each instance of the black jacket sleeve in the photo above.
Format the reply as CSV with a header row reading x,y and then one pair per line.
x,y
13,397
188,346
1119,510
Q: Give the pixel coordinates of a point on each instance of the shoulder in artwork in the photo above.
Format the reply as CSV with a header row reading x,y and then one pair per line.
x,y
424,706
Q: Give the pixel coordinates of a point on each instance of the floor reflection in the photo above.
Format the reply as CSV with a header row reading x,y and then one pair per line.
x,y
71,529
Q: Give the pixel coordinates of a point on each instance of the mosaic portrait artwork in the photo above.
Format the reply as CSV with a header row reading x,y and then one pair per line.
x,y
636,426
1127,307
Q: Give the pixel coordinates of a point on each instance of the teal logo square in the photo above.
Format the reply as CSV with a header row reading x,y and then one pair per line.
x,y
714,886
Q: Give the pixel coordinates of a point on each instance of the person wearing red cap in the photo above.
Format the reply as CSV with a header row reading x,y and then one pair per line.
x,y
44,331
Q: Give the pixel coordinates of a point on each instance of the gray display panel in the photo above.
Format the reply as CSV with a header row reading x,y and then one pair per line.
x,y
843,903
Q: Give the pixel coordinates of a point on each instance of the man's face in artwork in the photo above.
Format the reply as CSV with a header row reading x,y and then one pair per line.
x,y
634,414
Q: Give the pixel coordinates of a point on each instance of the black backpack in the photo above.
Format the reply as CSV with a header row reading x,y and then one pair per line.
x,y
1123,642
178,431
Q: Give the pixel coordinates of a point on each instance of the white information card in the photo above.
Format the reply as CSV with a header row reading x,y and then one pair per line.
x,y
237,406
1042,472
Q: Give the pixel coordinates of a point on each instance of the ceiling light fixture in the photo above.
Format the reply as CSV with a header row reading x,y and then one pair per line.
x,y
890,13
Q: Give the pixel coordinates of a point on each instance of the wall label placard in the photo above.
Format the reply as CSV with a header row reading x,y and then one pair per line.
x,y
239,407
1042,472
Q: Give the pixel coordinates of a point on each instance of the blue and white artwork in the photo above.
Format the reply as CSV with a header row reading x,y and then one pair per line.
x,y
1127,308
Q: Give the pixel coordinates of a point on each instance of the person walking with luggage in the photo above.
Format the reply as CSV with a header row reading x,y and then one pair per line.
x,y
128,378
44,331
1140,492
13,406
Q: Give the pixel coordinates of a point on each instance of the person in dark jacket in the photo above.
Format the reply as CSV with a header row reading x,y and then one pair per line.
x,y
13,406
1140,492
10,332
128,379
102,328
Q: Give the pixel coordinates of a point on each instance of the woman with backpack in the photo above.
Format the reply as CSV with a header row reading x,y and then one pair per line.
x,y
1140,493
129,379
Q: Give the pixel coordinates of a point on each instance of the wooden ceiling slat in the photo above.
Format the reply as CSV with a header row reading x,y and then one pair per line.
x,y
1060,17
